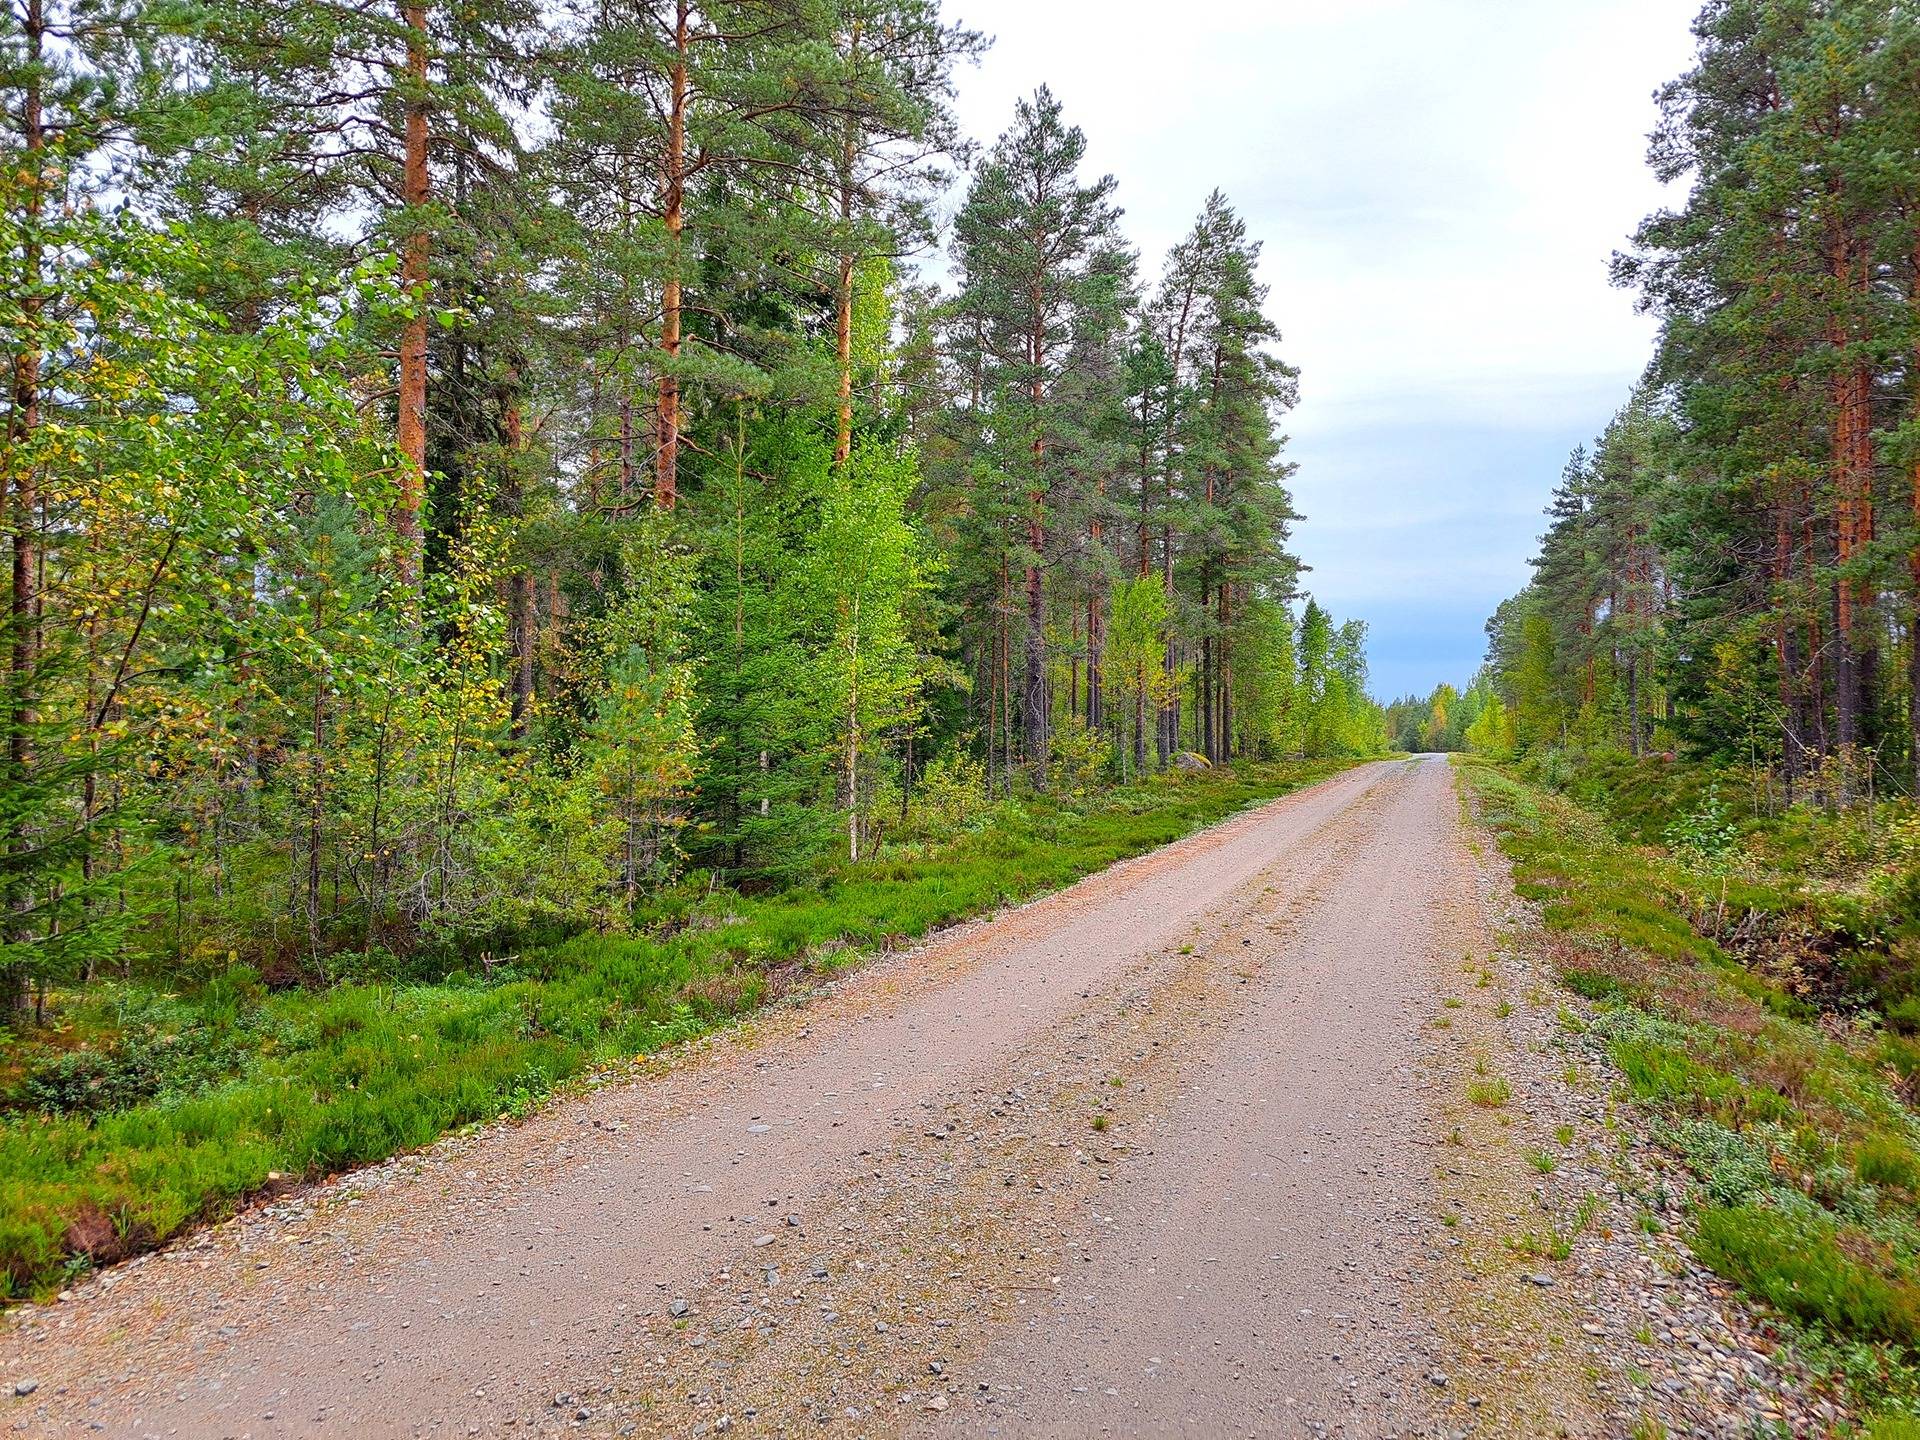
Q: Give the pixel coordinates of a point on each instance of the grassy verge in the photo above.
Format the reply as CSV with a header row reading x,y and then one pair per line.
x,y
143,1112
1793,1116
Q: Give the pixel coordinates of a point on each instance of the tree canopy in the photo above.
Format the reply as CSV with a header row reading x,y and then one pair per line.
x,y
469,470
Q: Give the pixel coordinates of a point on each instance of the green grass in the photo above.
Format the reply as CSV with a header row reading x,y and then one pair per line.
x,y
140,1113
1812,1267
1555,1243
1887,1160
1489,1094
1799,1134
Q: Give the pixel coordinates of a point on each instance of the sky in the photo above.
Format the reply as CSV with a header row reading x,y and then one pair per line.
x,y
1438,185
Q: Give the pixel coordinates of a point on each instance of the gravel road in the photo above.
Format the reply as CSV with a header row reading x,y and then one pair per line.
x,y
1154,1155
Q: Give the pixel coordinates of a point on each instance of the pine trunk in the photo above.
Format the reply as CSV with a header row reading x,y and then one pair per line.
x,y
1146,491
1096,658
1140,719
1792,741
1169,735
1034,695
1225,706
1203,682
1073,666
1815,648
19,490
415,192
1913,562
666,475
1852,480
1034,701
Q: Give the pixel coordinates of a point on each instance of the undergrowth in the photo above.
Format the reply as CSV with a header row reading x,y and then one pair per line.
x,y
1786,1096
138,1113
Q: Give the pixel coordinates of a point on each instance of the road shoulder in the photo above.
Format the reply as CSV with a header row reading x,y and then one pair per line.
x,y
1581,1310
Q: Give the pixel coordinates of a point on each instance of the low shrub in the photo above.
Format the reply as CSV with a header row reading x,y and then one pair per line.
x,y
1884,1160
1807,1266
1728,972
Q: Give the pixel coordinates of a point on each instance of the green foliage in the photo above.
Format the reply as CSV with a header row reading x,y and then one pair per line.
x,y
1593,984
1337,715
1078,763
866,574
952,797
1476,720
1800,1264
1492,731
1707,833
637,755
1491,1093
1887,1160
1722,574
135,1066
482,547
185,446
1137,636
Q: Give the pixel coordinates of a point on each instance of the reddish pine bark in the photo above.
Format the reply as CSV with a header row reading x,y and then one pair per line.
x,y
666,477
1913,556
1852,479
415,191
1034,697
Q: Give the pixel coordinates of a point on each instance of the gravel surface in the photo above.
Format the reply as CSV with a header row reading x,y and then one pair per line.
x,y
1185,1149
1257,1271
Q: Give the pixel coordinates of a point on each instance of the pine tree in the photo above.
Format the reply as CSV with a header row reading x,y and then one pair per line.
x,y
366,111
494,463
1034,247
887,128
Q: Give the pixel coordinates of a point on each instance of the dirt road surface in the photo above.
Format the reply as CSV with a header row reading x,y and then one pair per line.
x,y
1153,1155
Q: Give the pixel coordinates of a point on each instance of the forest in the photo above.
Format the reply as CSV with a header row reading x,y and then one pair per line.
x,y
526,524
1732,570
534,532
469,468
